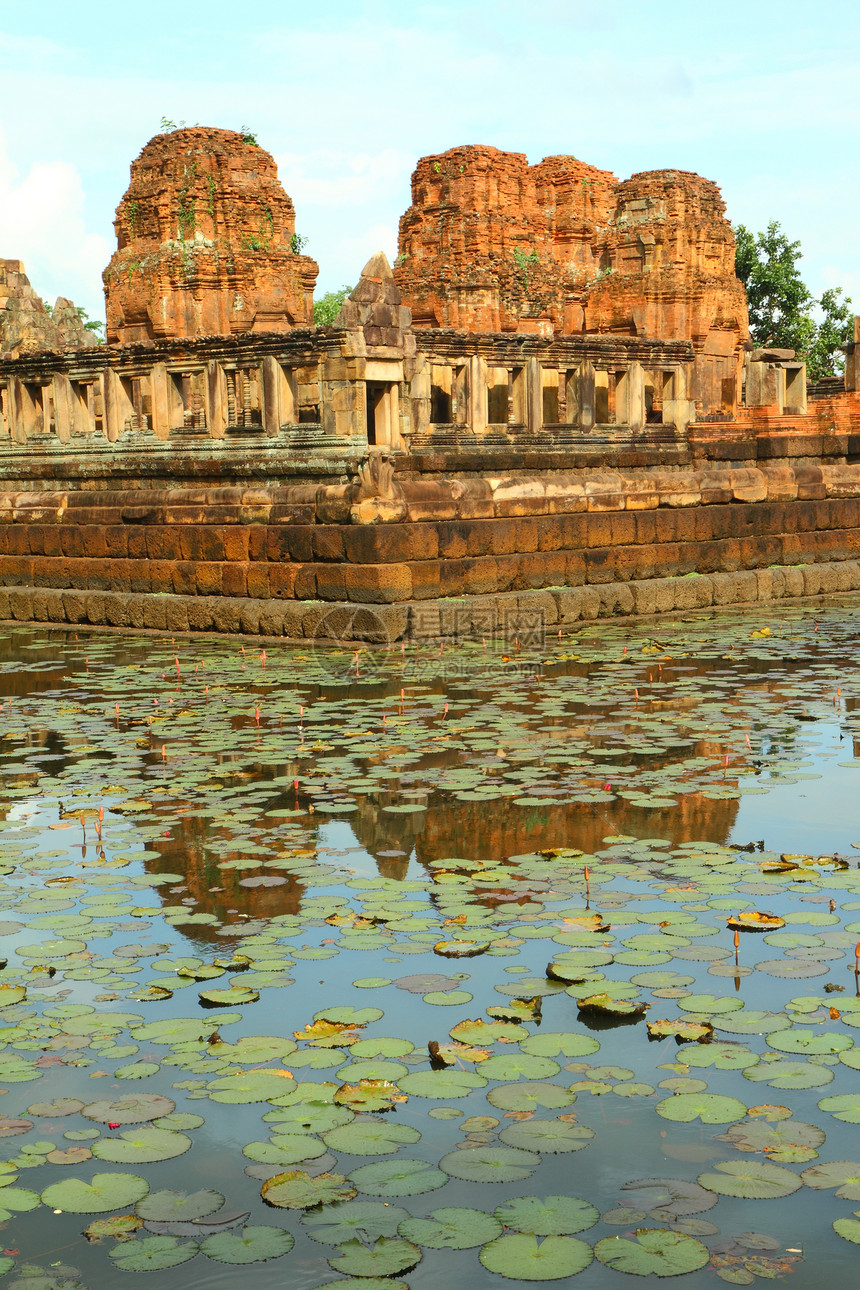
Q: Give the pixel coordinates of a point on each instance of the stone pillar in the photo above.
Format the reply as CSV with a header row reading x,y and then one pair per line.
x,y
64,418
215,394
586,396
278,401
161,401
17,416
534,386
635,383
477,394
392,405
118,406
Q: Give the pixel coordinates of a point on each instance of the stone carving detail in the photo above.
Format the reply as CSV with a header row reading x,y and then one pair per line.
x,y
205,243
26,326
376,478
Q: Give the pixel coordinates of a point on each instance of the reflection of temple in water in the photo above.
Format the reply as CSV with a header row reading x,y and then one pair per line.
x,y
490,831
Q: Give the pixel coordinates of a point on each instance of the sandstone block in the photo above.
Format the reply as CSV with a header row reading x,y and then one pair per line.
x,y
74,603
21,602
116,609
155,612
616,599
695,592
176,613
249,617
378,584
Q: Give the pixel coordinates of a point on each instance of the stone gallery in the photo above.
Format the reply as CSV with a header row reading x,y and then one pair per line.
x,y
548,409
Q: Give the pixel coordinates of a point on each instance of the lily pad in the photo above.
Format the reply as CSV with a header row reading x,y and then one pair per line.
x,y
710,1108
103,1192
523,1257
451,1229
152,1253
553,1216
365,1137
844,1175
385,1258
296,1189
549,1137
398,1178
490,1164
366,1219
142,1146
179,1206
653,1252
251,1245
750,1180
133,1108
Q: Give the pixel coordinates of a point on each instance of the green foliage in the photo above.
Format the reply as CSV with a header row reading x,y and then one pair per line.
x,y
298,243
249,137
327,308
523,261
91,324
781,305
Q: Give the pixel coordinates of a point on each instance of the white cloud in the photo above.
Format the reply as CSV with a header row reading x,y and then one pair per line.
x,y
42,223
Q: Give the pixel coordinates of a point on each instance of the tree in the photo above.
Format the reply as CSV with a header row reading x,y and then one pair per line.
x,y
327,308
781,305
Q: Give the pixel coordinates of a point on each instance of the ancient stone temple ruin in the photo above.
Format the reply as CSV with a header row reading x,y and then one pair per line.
x,y
28,325
206,243
547,410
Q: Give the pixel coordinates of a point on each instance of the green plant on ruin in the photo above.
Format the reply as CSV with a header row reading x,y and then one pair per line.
x,y
524,261
210,201
248,136
187,216
133,212
401,260
168,126
92,324
298,243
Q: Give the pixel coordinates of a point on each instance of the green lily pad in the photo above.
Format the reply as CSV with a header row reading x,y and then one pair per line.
x,y
251,1245
442,1084
370,1138
844,1106
530,1095
848,1228
152,1253
228,998
653,1252
560,1044
519,1065
710,1108
102,1193
398,1178
553,1216
786,1142
366,1219
490,1164
385,1258
296,1189
750,1180
142,1146
178,1206
133,1108
451,1229
547,1136
523,1257
789,1075
844,1175
250,1086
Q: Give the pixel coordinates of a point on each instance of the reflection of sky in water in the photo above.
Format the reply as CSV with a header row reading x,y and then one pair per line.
x,y
212,841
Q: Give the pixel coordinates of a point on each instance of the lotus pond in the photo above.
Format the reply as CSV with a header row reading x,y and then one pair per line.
x,y
432,966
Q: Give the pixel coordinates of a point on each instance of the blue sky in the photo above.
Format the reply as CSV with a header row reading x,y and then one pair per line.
x,y
760,98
